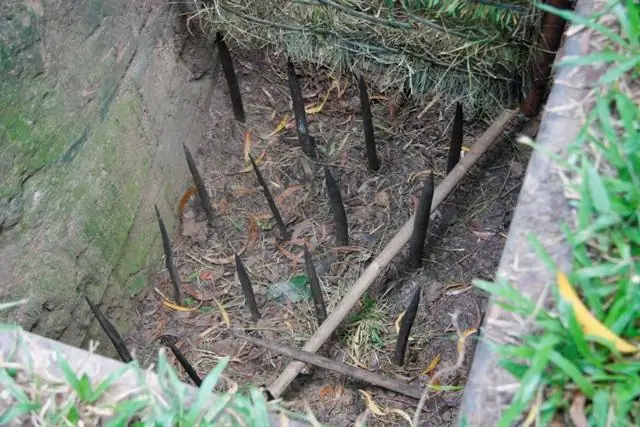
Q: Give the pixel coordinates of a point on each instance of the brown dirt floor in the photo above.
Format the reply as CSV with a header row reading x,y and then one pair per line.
x,y
465,242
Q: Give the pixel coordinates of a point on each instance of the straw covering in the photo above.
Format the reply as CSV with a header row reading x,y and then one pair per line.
x,y
475,52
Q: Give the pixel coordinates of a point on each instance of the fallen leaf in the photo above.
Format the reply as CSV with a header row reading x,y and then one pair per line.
x,y
280,127
463,338
382,199
588,321
177,307
334,392
576,412
247,146
398,321
288,192
402,414
371,405
196,294
457,289
223,313
291,256
431,366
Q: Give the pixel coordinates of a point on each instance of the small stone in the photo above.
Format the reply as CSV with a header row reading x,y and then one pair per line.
x,y
382,199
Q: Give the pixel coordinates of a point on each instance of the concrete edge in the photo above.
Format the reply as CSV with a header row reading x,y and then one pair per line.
x,y
541,210
42,355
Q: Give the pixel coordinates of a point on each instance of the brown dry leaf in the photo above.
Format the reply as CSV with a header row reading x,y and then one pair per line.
x,y
576,412
432,365
242,191
371,405
288,192
463,338
225,260
280,127
402,414
334,392
290,256
382,199
196,294
223,313
254,233
223,207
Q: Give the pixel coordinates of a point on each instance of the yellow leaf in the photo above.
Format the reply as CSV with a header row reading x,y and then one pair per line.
x,y
281,126
223,313
431,366
590,325
179,307
398,321
373,407
402,414
463,338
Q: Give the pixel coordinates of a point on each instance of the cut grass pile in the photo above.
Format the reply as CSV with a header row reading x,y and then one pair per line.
x,y
476,52
581,367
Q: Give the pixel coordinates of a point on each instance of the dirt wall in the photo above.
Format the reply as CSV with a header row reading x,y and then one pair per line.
x,y
96,99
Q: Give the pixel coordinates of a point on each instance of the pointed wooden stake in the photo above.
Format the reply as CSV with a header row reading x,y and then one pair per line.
x,y
232,79
202,190
456,139
111,332
367,122
168,259
337,208
316,289
405,328
421,223
169,341
247,289
272,204
307,142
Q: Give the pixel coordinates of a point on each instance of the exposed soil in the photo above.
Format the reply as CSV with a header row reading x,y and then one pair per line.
x,y
465,242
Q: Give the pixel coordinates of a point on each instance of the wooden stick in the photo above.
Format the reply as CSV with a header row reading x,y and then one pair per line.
x,y
390,251
247,289
360,374
456,139
405,329
337,208
112,333
272,204
168,259
202,189
230,76
316,289
367,124
421,223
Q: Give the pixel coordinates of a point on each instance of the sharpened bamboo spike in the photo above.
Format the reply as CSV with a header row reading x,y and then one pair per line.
x,y
272,204
111,332
307,142
202,189
316,289
247,289
337,208
168,259
405,328
232,79
421,223
367,122
456,139
193,374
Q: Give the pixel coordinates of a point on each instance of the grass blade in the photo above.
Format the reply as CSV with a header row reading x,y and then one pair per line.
x,y
232,79
421,223
456,139
111,332
199,183
168,259
367,123
316,289
247,289
272,204
306,140
405,328
337,208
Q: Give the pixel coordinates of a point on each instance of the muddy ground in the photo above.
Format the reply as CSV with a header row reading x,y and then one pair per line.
x,y
465,242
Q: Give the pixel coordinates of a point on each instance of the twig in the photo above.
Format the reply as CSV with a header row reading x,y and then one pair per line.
x,y
367,124
247,289
337,208
232,79
332,365
202,189
111,332
168,259
390,251
456,139
421,223
316,289
272,204
405,328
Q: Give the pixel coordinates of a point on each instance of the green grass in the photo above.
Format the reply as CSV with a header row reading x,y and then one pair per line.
x,y
559,366
68,399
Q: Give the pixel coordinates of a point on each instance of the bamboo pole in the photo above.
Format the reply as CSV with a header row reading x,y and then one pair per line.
x,y
376,267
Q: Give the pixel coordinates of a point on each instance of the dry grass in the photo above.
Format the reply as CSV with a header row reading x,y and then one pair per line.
x,y
474,52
